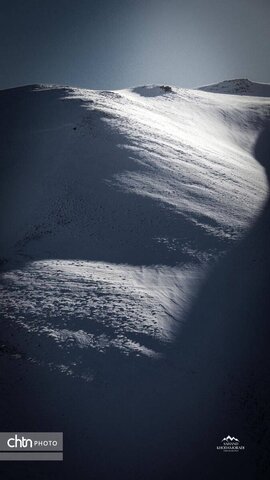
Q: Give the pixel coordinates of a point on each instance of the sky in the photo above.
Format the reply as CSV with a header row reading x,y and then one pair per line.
x,y
111,44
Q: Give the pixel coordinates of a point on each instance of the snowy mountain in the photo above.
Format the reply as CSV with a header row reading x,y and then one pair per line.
x,y
241,86
134,238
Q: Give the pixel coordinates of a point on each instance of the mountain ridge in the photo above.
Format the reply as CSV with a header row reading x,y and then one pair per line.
x,y
236,86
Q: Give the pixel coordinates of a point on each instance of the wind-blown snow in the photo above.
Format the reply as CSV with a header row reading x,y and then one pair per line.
x,y
114,203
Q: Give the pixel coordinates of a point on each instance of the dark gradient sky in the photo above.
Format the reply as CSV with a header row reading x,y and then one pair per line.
x,y
120,43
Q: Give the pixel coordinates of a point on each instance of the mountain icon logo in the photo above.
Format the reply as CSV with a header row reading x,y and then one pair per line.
x,y
230,439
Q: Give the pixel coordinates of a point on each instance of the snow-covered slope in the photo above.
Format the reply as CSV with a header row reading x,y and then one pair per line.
x,y
147,185
116,207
